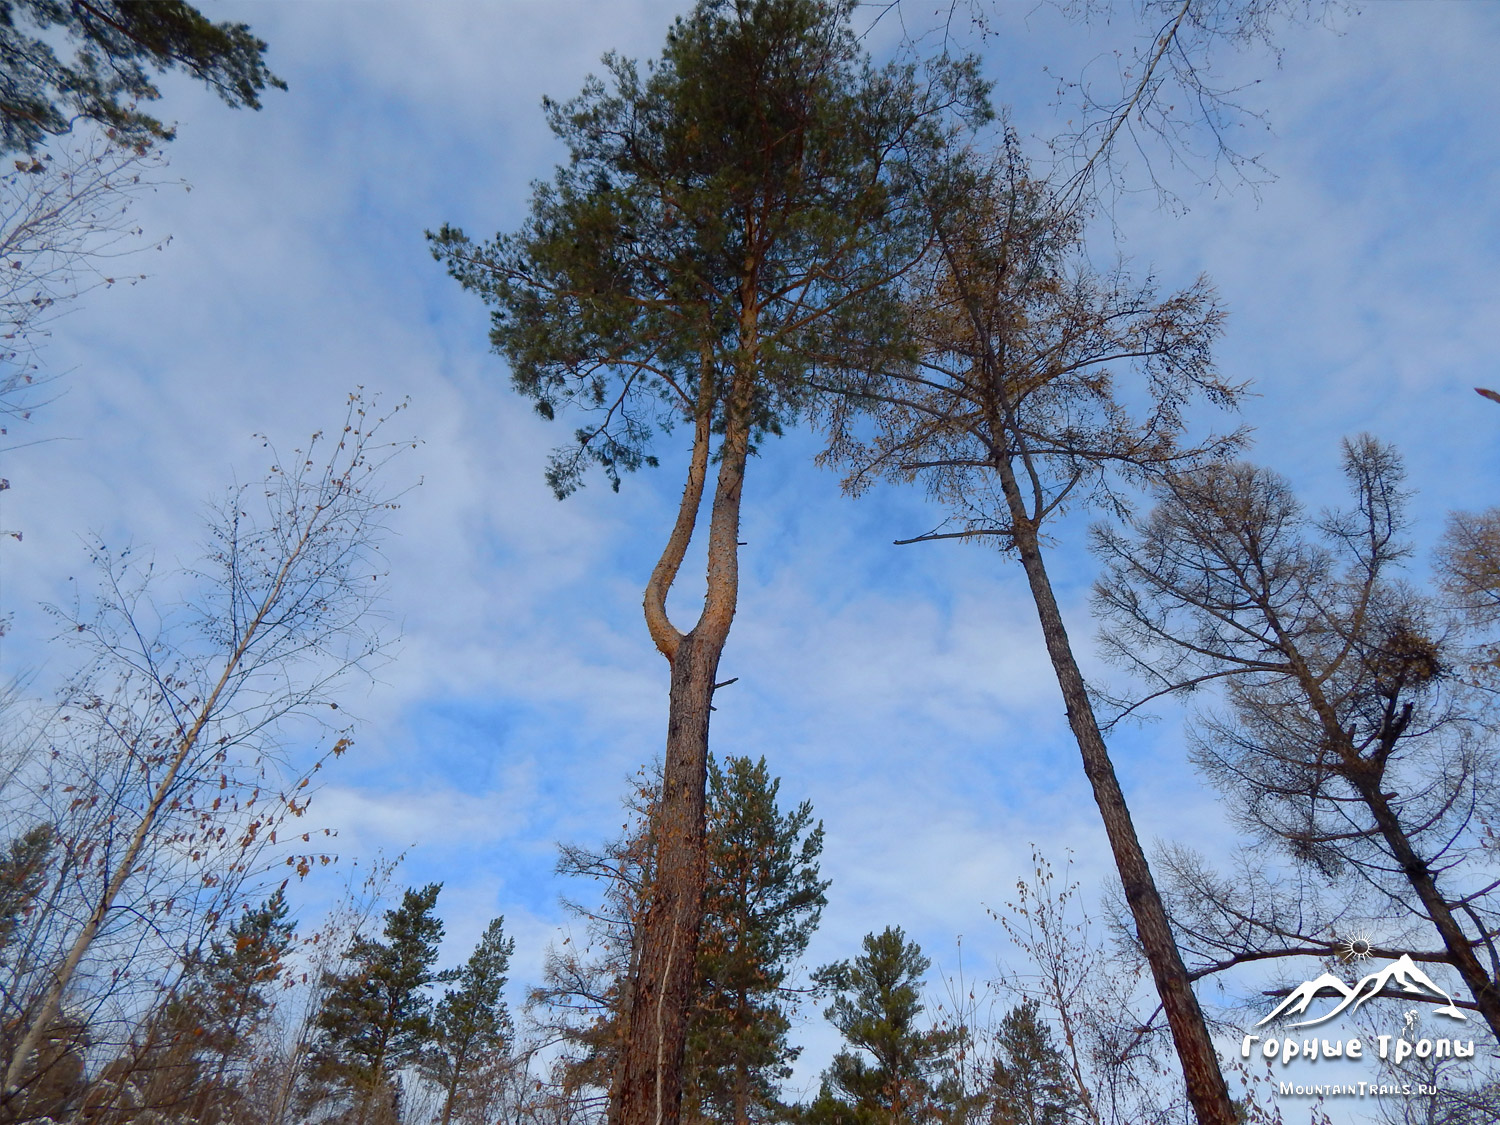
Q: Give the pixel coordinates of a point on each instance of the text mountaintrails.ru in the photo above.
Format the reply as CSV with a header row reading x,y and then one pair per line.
x,y
1355,1089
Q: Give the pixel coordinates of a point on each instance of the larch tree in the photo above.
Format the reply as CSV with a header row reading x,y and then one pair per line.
x,y
1170,106
1177,113
1340,741
1042,383
730,218
1468,574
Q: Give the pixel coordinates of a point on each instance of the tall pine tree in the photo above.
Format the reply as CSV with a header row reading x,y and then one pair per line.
x,y
471,1025
377,1017
893,1068
731,219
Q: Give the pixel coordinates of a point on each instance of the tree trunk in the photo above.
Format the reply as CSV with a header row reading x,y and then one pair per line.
x,y
1422,880
741,1111
1206,1089
1367,777
648,1085
451,1094
450,1097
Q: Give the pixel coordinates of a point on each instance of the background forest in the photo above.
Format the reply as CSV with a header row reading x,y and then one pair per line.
x,y
333,740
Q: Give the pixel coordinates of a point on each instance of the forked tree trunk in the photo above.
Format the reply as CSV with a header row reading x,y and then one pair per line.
x,y
1207,1091
647,1087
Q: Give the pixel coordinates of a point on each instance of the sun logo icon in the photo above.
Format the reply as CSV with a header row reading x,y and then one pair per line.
x,y
1356,948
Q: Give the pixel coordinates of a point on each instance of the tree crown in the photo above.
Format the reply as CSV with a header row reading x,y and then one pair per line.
x,y
118,46
729,217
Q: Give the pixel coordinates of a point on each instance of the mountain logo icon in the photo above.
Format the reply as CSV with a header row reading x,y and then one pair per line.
x,y
1403,973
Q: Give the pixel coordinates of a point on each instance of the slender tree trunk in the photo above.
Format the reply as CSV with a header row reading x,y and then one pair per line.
x,y
214,1088
366,1099
1206,1089
741,1109
362,1102
1367,777
451,1094
1420,876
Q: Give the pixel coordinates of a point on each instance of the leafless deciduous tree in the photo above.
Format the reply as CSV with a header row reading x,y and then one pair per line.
x,y
1112,1059
64,228
1012,412
1117,1058
157,781
1453,1094
273,1088
1339,739
1169,101
581,1005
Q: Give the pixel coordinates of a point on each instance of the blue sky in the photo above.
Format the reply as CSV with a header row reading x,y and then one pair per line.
x,y
903,690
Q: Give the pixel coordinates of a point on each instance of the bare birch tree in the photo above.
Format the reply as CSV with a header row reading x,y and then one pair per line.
x,y
64,228
159,776
1112,1058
